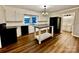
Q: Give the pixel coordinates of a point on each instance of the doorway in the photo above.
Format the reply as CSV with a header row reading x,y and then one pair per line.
x,y
67,23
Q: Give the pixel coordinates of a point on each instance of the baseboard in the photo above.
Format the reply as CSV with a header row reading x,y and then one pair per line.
x,y
75,35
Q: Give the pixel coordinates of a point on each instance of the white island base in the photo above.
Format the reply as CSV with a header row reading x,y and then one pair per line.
x,y
40,37
43,37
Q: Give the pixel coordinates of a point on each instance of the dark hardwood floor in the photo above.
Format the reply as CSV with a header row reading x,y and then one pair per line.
x,y
62,43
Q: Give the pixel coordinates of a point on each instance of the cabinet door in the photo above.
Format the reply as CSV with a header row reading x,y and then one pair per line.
x,y
8,37
18,31
2,16
19,16
10,15
24,30
31,29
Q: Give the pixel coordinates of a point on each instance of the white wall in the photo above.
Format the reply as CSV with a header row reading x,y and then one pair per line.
x,y
76,24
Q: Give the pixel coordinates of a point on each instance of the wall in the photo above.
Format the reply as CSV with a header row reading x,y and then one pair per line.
x,y
76,24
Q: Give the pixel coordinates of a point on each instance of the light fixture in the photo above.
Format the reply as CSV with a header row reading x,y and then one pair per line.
x,y
68,15
44,12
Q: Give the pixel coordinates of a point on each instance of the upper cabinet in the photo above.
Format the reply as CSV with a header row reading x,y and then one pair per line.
x,y
19,16
2,16
10,14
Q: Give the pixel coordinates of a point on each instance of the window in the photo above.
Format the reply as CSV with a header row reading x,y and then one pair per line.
x,y
26,20
30,20
34,20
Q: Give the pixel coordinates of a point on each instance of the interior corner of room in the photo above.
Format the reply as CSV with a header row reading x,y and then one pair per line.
x,y
62,18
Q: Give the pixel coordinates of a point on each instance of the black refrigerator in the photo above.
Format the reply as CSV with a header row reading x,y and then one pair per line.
x,y
56,23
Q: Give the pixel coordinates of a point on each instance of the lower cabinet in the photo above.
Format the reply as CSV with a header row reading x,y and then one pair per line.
x,y
31,29
8,36
24,30
18,31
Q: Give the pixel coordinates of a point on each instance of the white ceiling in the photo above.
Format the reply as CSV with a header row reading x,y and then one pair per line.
x,y
39,8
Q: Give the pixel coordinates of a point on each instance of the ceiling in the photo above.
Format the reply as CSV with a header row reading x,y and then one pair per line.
x,y
50,8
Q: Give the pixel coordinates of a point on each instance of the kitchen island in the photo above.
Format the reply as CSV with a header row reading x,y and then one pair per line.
x,y
40,37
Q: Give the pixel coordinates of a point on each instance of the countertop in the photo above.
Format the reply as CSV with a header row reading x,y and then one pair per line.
x,y
9,27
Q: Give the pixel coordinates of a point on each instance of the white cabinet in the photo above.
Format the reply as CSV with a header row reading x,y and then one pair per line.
x,y
67,27
10,15
18,31
31,29
2,16
19,16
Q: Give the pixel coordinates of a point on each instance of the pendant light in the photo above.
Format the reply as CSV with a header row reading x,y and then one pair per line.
x,y
44,12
